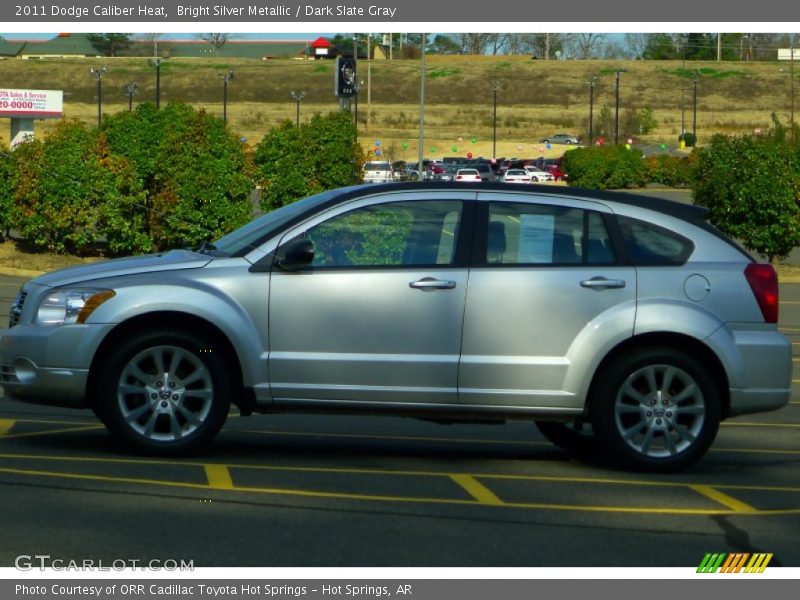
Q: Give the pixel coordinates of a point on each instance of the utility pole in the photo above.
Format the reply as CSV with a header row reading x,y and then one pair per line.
x,y
369,79
420,168
495,87
684,38
156,62
719,47
547,46
694,108
227,78
592,83
616,109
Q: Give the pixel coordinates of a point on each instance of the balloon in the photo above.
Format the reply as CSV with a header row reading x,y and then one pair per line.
x,y
454,148
377,142
433,149
663,146
541,148
469,154
627,146
548,146
630,140
405,146
519,147
460,139
378,152
474,140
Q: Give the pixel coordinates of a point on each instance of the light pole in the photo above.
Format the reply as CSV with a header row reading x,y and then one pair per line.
x,y
684,39
495,87
359,85
592,83
421,153
745,36
694,105
156,62
130,90
225,80
616,107
297,97
98,75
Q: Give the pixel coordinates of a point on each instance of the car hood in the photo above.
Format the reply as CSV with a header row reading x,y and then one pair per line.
x,y
168,261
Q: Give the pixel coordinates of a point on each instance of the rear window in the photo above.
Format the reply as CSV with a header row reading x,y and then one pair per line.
x,y
377,166
649,244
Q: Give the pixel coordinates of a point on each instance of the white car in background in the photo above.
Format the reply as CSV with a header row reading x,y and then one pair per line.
x,y
378,171
471,175
516,176
537,174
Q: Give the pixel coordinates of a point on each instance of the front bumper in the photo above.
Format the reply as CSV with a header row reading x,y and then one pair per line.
x,y
49,365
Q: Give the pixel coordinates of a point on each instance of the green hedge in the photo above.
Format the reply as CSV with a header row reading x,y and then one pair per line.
x,y
674,171
751,186
605,167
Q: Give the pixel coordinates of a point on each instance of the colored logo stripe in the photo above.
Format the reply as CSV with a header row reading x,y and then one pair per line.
x,y
734,562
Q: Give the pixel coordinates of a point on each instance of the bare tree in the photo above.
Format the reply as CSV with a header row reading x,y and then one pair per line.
x,y
217,40
153,38
473,43
635,44
586,45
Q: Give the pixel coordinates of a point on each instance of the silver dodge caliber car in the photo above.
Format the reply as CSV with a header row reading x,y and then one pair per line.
x,y
613,321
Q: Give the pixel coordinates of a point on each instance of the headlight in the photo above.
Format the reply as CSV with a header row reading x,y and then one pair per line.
x,y
70,306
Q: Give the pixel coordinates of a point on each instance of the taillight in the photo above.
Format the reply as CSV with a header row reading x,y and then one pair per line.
x,y
764,282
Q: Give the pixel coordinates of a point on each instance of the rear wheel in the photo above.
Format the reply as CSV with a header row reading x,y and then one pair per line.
x,y
576,437
656,409
165,392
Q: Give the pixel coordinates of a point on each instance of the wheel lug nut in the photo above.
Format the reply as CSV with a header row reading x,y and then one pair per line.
x,y
652,402
153,396
172,384
658,421
175,396
669,414
649,414
164,405
159,383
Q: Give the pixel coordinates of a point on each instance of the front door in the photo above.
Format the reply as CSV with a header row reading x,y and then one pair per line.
x,y
377,317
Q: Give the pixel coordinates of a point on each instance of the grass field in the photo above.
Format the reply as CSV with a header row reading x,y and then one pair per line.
x,y
535,98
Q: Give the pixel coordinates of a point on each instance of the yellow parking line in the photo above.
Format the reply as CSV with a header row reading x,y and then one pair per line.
x,y
52,431
754,451
778,425
219,477
648,510
789,302
724,499
476,489
5,426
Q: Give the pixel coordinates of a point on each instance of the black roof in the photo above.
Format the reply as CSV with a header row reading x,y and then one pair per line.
x,y
686,212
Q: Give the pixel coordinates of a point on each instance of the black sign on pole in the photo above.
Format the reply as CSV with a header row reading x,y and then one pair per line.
x,y
345,77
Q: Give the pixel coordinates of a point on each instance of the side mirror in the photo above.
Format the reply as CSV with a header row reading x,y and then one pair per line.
x,y
297,254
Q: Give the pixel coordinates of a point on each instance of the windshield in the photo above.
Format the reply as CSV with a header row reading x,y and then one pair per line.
x,y
257,231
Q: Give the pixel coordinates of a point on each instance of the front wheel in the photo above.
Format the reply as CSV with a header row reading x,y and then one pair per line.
x,y
656,409
165,392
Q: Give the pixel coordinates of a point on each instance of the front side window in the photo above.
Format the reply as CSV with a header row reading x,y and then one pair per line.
x,y
397,234
534,234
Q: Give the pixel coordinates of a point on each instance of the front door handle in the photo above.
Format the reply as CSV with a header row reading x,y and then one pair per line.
x,y
429,283
602,283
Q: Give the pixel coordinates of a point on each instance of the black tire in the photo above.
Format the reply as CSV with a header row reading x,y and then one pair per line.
x,y
655,409
576,437
169,414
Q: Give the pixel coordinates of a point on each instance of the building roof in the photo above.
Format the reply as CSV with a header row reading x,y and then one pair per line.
x,y
321,42
10,48
76,44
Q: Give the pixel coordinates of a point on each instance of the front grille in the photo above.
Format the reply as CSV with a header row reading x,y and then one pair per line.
x,y
16,309
7,375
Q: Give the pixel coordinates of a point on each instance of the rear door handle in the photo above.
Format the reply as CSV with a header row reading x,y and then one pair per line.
x,y
602,283
429,283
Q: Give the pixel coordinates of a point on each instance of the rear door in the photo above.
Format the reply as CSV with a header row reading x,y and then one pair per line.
x,y
546,295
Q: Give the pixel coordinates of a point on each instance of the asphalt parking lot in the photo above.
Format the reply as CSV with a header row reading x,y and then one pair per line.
x,y
294,490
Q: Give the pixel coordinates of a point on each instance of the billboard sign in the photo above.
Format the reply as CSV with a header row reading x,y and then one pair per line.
x,y
31,104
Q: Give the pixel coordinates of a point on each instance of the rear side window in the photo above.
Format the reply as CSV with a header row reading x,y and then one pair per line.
x,y
534,234
649,244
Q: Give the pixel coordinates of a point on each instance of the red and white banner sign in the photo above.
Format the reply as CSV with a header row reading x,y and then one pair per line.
x,y
36,104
